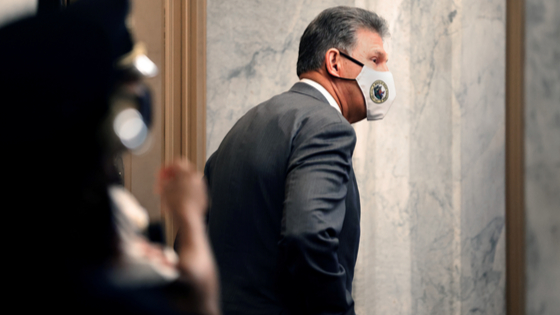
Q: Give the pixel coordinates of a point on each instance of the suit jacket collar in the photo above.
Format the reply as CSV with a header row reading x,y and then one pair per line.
x,y
304,88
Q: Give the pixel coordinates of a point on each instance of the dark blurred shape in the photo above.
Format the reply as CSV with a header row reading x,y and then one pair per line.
x,y
57,75
44,6
156,233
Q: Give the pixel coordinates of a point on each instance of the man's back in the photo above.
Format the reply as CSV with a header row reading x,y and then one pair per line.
x,y
284,215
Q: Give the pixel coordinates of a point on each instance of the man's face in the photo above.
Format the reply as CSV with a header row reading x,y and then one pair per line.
x,y
368,50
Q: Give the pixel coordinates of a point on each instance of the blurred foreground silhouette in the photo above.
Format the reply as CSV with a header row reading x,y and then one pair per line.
x,y
73,236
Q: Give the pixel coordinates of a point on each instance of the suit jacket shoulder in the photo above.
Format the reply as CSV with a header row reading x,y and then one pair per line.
x,y
308,107
284,165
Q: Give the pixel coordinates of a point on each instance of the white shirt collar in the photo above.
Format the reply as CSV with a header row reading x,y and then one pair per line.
x,y
323,91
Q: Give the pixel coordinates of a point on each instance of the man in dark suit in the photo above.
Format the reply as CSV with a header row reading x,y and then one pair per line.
x,y
284,220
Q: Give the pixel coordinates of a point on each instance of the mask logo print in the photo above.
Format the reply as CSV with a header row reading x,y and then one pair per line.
x,y
379,92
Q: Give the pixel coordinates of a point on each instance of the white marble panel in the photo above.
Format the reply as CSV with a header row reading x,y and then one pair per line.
x,y
481,95
433,217
542,156
431,174
382,282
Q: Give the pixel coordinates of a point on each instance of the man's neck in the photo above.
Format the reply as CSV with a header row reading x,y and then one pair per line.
x,y
341,91
325,83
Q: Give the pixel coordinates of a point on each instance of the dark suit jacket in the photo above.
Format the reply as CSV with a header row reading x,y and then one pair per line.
x,y
285,212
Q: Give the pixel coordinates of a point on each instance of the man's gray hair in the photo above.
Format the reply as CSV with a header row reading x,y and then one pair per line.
x,y
335,28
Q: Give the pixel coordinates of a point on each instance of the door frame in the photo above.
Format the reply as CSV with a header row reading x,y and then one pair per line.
x,y
184,79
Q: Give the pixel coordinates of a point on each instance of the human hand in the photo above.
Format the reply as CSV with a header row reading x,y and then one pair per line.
x,y
182,189
183,192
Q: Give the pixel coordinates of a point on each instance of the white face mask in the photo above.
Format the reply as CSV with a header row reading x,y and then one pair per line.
x,y
378,89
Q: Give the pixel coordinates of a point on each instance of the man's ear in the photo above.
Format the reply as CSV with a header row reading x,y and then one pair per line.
x,y
333,62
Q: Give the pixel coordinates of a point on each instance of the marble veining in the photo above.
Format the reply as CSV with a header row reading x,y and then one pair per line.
x,y
431,174
542,156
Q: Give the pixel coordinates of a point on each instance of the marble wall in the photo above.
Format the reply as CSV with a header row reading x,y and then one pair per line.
x,y
431,174
542,156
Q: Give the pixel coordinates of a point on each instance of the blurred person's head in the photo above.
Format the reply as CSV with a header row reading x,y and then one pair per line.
x,y
61,74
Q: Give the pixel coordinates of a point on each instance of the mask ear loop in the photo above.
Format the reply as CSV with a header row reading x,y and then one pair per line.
x,y
359,64
351,59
